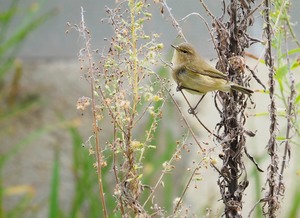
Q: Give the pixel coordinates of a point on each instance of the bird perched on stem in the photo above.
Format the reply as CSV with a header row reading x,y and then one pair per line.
x,y
191,72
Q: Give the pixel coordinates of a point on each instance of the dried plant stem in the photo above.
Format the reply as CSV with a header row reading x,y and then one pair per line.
x,y
289,115
187,185
207,27
232,39
187,124
191,109
134,56
135,85
275,26
115,168
178,150
166,170
207,10
174,21
272,197
86,37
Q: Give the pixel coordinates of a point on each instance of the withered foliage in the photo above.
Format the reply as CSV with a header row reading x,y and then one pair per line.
x,y
232,39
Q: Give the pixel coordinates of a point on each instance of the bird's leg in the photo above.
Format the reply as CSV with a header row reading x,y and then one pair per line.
x,y
179,88
192,110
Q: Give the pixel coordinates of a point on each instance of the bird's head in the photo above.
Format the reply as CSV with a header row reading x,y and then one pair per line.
x,y
183,54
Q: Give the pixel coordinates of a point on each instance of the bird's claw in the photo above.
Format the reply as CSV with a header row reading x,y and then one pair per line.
x,y
179,88
192,111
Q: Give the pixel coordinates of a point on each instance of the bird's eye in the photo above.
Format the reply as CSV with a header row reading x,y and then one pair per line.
x,y
184,51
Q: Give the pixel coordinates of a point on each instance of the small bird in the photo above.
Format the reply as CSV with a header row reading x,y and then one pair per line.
x,y
191,72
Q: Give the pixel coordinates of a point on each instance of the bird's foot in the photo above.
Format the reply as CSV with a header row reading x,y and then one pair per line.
x,y
179,88
192,110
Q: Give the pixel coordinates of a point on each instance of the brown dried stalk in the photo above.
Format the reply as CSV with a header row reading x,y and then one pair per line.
x,y
271,197
290,126
87,39
232,39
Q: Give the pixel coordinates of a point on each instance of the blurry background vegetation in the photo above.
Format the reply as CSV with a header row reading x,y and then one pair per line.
x,y
44,171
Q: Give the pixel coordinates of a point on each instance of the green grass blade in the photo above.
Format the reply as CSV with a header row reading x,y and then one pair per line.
x,y
25,141
295,203
23,32
54,191
86,194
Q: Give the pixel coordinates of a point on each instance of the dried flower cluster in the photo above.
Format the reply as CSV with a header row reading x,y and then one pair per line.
x,y
126,89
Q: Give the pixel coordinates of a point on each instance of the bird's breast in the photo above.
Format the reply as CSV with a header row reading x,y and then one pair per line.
x,y
198,82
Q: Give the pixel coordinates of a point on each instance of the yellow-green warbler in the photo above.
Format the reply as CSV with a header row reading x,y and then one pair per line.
x,y
191,72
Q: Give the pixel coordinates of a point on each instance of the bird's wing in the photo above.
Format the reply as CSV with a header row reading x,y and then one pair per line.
x,y
209,71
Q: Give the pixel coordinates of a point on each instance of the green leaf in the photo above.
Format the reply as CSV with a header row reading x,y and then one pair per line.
x,y
54,201
297,99
294,51
5,16
23,32
295,64
281,72
10,45
280,138
291,52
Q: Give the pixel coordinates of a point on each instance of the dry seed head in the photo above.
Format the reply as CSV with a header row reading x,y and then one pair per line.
x,y
83,103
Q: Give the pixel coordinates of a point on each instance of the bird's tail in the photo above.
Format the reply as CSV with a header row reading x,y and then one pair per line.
x,y
242,89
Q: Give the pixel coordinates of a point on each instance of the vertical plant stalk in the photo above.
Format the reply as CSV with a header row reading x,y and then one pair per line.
x,y
131,185
289,115
129,152
123,86
271,196
115,169
232,40
234,168
134,56
87,38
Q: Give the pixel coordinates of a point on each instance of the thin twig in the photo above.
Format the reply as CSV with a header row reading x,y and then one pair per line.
x,y
196,116
221,174
187,186
255,77
163,173
86,37
254,206
183,117
174,21
209,30
273,29
252,12
207,10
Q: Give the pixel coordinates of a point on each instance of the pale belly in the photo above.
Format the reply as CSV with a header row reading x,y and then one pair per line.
x,y
195,83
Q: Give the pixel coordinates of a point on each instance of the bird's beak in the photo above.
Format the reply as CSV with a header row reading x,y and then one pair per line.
x,y
174,46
